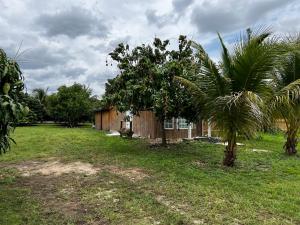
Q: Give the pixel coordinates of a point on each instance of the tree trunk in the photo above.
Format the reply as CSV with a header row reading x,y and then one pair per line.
x,y
230,152
291,142
163,133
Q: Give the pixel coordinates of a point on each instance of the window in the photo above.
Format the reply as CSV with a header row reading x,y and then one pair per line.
x,y
169,124
182,123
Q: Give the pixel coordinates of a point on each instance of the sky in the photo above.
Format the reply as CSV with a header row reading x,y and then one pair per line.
x,y
60,42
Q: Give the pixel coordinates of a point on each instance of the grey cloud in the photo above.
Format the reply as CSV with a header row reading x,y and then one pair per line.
x,y
73,72
111,45
181,5
72,23
41,57
233,15
159,20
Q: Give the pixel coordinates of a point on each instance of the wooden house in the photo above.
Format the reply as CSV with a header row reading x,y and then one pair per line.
x,y
147,125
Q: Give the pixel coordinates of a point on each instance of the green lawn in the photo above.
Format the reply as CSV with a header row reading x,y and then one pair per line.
x,y
136,184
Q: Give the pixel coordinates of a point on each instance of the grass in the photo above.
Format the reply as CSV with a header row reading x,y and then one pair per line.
x,y
186,183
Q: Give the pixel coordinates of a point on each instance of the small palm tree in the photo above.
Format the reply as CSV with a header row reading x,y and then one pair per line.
x,y
232,92
40,94
286,99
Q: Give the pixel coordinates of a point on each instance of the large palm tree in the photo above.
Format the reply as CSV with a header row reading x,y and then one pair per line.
x,y
232,92
286,99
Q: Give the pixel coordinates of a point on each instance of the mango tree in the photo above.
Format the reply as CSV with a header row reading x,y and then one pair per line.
x,y
146,80
11,86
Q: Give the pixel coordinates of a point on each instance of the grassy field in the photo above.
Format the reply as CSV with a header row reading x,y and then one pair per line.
x,y
117,181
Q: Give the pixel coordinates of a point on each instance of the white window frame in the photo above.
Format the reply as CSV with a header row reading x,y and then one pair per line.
x,y
169,128
182,128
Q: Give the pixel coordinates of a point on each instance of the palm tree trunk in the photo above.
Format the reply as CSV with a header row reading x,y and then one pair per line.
x,y
230,151
291,142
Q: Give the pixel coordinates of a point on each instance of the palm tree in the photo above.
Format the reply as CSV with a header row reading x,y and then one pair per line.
x,y
232,92
41,95
286,99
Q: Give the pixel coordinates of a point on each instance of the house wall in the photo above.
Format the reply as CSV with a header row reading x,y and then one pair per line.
x,y
177,133
143,125
98,120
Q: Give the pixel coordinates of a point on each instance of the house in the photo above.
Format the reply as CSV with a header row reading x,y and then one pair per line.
x,y
147,125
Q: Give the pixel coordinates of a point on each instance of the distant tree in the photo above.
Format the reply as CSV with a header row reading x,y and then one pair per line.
x,y
11,86
72,104
286,98
36,109
146,80
51,106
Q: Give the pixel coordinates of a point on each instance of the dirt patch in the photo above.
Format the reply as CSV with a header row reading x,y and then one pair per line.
x,y
133,174
60,198
55,168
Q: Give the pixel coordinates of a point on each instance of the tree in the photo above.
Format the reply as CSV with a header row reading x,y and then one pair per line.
x,y
232,93
11,85
146,80
41,95
36,109
286,98
72,105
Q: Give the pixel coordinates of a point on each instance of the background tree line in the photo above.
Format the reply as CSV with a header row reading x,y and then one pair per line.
x,y
69,105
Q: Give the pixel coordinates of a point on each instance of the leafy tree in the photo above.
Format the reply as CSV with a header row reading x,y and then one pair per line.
x,y
36,109
11,85
72,104
146,80
51,106
232,93
286,99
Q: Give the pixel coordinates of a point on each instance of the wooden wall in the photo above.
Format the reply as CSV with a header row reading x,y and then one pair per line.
x,y
108,120
178,133
144,125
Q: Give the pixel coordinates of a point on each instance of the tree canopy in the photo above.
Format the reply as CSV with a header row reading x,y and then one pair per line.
x,y
72,104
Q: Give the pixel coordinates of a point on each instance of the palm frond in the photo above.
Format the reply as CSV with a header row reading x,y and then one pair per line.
x,y
288,94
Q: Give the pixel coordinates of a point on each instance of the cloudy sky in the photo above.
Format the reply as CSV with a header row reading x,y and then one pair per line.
x,y
67,41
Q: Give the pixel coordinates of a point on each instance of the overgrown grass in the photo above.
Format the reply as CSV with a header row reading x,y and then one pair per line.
x,y
186,182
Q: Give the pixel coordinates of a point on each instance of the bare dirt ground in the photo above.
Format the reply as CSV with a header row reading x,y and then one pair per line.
x,y
58,186
54,167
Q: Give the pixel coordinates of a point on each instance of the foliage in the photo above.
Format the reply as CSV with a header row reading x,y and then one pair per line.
x,y
36,112
232,94
285,101
71,105
11,85
146,80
